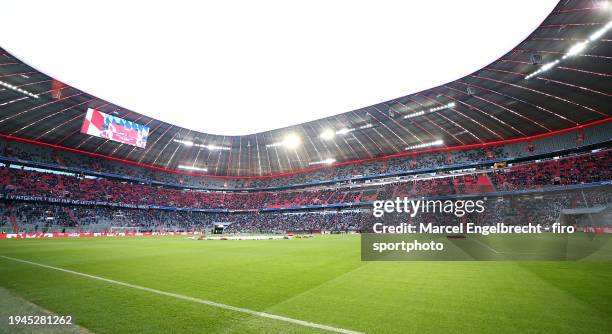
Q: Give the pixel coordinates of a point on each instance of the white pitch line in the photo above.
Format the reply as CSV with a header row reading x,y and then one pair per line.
x,y
196,300
498,252
487,246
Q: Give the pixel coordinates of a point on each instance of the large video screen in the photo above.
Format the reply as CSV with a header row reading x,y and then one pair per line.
x,y
106,126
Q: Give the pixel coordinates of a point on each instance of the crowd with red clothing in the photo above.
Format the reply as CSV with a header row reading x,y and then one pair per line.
x,y
579,169
542,209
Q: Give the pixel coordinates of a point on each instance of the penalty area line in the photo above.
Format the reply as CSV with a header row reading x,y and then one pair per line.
x,y
194,300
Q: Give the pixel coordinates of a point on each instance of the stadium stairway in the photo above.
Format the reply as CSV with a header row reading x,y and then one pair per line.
x,y
484,184
74,219
12,218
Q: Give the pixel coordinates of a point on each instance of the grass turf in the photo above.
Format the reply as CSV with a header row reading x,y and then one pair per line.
x,y
320,280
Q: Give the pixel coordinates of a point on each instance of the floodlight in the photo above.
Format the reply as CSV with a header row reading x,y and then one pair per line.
x,y
292,141
577,48
327,134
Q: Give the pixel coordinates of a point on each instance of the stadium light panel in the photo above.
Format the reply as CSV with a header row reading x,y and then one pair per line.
x,y
548,66
216,148
193,168
327,134
597,35
576,49
343,131
438,142
184,142
17,89
327,161
292,141
210,147
433,109
419,113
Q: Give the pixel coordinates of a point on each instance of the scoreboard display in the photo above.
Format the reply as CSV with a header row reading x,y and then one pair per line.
x,y
114,128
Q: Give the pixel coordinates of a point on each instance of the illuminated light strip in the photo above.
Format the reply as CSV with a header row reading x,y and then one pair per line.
x,y
330,145
384,114
436,124
347,149
199,169
214,147
345,131
211,147
184,142
342,152
17,89
424,145
356,138
327,161
574,50
291,141
452,105
479,123
434,109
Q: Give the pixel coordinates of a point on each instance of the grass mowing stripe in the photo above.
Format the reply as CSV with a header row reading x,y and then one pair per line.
x,y
195,300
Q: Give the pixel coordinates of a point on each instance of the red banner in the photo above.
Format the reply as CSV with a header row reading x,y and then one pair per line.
x,y
89,234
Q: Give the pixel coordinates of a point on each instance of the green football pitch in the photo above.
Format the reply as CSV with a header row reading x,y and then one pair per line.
x,y
316,285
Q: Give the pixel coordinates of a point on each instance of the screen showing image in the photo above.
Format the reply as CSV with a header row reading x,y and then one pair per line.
x,y
106,126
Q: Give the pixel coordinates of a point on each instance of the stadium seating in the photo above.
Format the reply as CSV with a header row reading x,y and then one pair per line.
x,y
580,169
510,209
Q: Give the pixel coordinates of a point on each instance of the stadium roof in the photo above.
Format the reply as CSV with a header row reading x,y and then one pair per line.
x,y
558,78
207,60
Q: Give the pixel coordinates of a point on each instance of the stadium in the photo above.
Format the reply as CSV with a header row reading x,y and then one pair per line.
x,y
113,221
